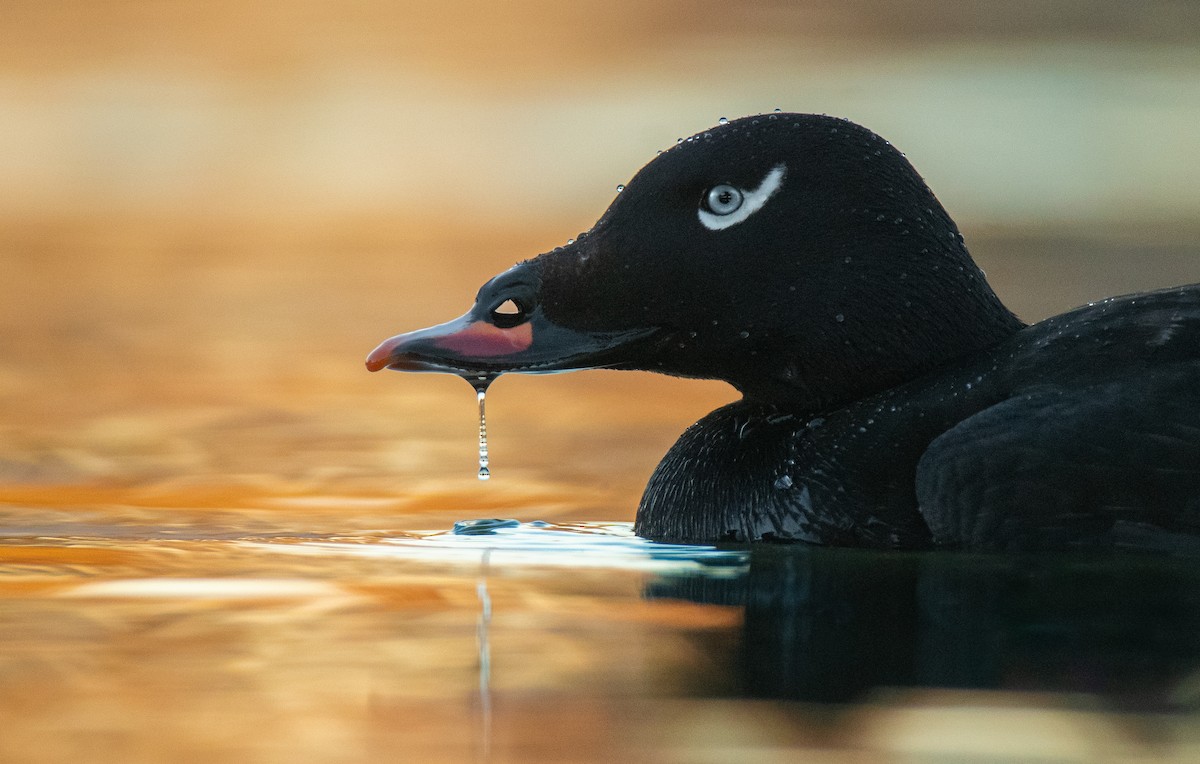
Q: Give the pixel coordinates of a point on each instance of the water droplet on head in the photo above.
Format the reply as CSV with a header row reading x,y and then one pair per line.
x,y
570,241
839,318
723,121
744,334
783,482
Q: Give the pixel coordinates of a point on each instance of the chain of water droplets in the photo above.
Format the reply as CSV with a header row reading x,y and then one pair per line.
x,y
484,472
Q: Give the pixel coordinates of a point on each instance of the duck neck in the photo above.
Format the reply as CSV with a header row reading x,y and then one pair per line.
x,y
888,339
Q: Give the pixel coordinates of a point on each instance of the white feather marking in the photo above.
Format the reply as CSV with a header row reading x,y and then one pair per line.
x,y
753,201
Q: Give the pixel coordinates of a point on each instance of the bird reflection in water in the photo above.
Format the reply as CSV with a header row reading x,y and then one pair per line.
x,y
830,625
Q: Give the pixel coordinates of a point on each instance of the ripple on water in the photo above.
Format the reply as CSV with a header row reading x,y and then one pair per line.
x,y
535,544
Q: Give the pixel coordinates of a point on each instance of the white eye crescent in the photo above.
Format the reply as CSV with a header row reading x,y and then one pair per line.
x,y
725,205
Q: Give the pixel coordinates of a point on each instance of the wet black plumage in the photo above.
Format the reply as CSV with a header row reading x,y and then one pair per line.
x,y
1082,430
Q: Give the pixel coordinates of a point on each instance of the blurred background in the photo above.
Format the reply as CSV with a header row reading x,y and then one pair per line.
x,y
210,212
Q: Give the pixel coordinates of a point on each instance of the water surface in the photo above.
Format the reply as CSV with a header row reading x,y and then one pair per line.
x,y
525,641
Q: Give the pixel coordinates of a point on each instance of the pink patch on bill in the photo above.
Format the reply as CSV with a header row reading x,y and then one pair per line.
x,y
483,340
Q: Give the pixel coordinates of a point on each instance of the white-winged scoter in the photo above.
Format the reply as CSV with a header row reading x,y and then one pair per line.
x,y
889,398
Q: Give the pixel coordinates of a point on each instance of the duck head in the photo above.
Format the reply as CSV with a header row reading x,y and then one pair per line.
x,y
799,257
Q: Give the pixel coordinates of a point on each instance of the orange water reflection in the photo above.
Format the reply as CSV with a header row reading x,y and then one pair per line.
x,y
229,653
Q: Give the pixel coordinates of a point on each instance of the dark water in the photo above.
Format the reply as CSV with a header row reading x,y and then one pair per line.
x,y
832,625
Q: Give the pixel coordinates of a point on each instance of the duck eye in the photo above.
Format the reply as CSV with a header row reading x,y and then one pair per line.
x,y
723,199
724,206
508,314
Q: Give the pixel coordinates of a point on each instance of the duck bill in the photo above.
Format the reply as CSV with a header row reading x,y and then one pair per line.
x,y
470,345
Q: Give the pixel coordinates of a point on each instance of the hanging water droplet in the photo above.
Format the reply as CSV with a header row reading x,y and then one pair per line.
x,y
723,121
679,140
620,188
484,472
570,241
481,383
